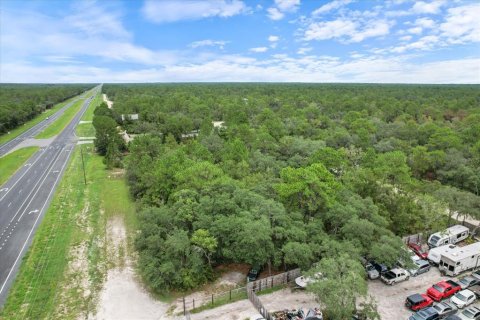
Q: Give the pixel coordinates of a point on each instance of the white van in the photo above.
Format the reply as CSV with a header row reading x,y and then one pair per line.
x,y
451,235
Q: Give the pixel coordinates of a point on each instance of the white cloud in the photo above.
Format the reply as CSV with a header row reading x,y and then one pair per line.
x,y
424,43
376,28
281,7
304,50
259,49
425,23
421,7
415,30
336,4
208,43
462,24
176,10
280,68
287,5
275,14
273,38
330,29
347,30
406,38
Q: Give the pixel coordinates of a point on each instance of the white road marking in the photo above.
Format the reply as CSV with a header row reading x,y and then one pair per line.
x,y
30,233
33,211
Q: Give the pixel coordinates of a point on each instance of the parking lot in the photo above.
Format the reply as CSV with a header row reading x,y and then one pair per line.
x,y
391,299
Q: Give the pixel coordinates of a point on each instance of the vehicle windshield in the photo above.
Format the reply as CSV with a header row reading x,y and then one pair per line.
x,y
461,297
434,239
468,313
438,288
389,275
370,268
464,281
417,316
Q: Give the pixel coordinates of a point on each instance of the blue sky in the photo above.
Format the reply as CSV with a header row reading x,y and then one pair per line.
x,y
398,41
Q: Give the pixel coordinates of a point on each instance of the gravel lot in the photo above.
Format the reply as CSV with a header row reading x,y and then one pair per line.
x,y
391,299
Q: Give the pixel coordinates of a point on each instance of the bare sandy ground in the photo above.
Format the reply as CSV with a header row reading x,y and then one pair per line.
x,y
109,103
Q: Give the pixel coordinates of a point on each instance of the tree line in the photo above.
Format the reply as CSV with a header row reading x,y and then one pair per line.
x,y
21,102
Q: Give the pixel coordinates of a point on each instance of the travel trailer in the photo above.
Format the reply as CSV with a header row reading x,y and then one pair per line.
x,y
435,254
451,235
460,259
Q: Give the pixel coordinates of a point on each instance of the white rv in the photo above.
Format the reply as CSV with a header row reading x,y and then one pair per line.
x,y
435,254
451,235
460,259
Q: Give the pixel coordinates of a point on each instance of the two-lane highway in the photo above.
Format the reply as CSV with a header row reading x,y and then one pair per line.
x,y
25,198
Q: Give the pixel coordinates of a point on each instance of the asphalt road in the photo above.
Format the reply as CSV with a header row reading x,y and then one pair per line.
x,y
35,130
25,198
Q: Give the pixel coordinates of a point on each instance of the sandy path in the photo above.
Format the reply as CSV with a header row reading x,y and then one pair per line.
x,y
109,103
122,296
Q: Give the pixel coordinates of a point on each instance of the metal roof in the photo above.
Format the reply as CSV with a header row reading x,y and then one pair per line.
x,y
460,253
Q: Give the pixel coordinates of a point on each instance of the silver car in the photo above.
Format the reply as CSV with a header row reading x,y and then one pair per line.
x,y
372,273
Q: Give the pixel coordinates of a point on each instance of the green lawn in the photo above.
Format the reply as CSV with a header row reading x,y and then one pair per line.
x,y
85,130
11,162
58,125
45,287
39,118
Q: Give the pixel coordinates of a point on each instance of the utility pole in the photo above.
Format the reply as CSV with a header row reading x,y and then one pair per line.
x,y
83,166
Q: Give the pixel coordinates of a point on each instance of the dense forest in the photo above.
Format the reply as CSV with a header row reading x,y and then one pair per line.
x,y
297,173
21,102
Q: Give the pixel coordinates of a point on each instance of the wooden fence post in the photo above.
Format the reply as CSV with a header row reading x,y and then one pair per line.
x,y
184,307
212,299
230,295
193,303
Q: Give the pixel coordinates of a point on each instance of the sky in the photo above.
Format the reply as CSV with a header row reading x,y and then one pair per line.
x,y
390,41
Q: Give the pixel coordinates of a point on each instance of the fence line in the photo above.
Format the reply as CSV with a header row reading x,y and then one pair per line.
x,y
190,304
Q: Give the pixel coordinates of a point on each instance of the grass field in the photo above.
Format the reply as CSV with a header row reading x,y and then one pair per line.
x,y
87,129
57,126
63,271
11,162
39,118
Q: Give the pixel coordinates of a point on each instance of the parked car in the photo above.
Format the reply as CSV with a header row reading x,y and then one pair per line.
x,y
475,289
445,309
381,268
476,274
421,266
425,314
303,281
419,251
452,317
418,301
253,273
468,281
372,273
395,275
443,290
463,298
472,313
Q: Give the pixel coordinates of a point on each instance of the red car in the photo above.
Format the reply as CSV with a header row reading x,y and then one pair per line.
x,y
443,289
418,250
418,301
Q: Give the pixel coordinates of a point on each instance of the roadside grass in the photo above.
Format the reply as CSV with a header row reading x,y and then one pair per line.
x,y
11,162
46,287
85,130
59,124
27,125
